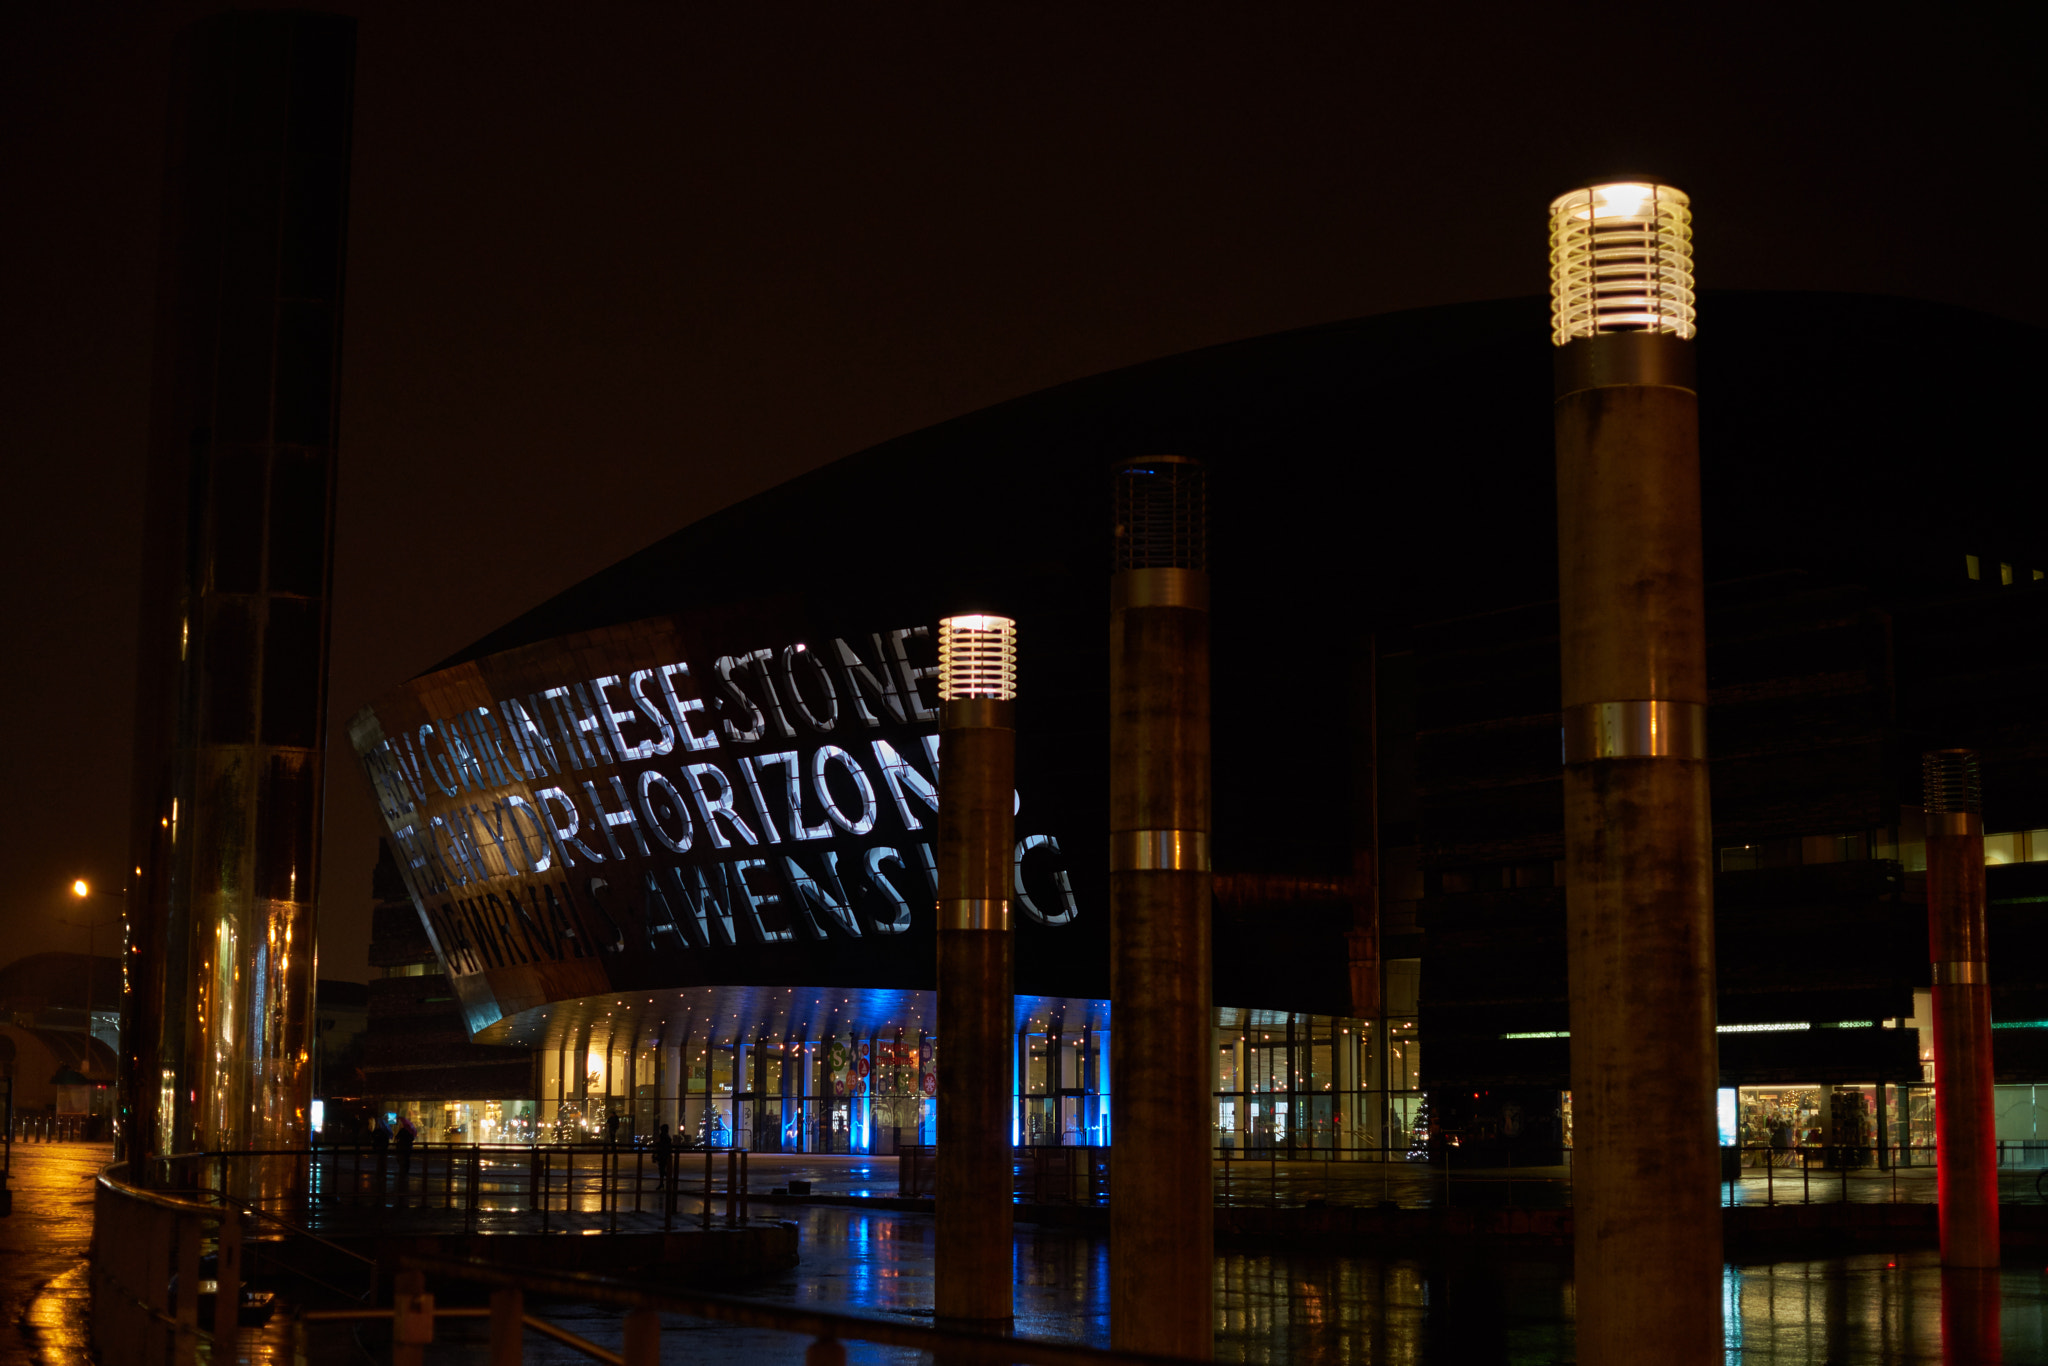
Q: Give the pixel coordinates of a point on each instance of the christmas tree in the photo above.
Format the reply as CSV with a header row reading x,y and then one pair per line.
x,y
1418,1135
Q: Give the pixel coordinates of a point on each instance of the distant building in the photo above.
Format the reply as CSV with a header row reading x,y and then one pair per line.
x,y
48,1003
416,1056
671,828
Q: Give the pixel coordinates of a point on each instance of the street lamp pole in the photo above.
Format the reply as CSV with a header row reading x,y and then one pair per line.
x,y
1638,849
976,969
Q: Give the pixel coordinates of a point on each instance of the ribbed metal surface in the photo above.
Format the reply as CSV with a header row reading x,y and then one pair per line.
x,y
1950,781
977,658
1620,261
1162,514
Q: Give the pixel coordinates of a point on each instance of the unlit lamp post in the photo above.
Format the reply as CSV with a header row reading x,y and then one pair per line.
x,y
1162,1038
1639,903
977,789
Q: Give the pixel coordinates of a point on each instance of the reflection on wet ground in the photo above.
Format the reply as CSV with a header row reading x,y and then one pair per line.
x,y
46,1240
1274,1304
1315,1306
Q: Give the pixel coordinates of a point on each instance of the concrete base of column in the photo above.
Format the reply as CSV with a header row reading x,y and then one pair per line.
x,y
1645,1189
975,1256
1162,1231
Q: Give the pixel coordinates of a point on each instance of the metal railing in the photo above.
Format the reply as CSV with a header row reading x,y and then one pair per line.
x,y
567,1185
1890,1174
1077,1175
414,1313
146,1291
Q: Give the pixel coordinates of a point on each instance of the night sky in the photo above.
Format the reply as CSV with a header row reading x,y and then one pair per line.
x,y
614,267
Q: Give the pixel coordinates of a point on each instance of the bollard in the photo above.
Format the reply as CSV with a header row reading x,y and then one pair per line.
x,y
825,1352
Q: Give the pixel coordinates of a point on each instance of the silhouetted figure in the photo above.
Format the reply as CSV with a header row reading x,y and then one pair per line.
x,y
611,1129
380,1145
406,1137
664,1153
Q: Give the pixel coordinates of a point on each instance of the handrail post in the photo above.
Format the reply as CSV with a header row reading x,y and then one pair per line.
x,y
744,1188
732,1181
707,1185
185,1232
476,1160
643,1338
508,1326
227,1298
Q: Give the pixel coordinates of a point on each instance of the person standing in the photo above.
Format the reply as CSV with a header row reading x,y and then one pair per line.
x,y
664,1153
407,1135
380,1148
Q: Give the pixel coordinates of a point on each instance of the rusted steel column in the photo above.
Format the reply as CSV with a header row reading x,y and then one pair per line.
x,y
1162,1207
1638,870
1965,1137
977,791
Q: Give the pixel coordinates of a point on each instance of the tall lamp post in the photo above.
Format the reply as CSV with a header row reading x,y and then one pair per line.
x,y
83,890
1638,870
1162,1221
976,819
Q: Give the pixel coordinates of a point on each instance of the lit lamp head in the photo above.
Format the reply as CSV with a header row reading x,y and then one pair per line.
x,y
1620,261
81,888
977,669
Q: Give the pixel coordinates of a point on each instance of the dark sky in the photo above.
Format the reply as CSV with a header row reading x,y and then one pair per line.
x,y
614,267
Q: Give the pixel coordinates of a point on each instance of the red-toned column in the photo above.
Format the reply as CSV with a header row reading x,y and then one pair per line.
x,y
1966,1147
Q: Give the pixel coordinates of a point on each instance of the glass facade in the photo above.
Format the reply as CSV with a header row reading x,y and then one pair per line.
x,y
1291,1084
1300,1085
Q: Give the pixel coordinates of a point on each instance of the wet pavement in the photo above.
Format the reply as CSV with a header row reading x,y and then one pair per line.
x,y
45,1241
1274,1303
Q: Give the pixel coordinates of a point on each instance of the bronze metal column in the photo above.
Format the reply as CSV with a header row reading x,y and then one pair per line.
x,y
1638,856
1162,1206
1965,1120
977,791
232,674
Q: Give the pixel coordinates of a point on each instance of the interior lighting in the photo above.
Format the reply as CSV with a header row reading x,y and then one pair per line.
x,y
1780,1028
977,658
1620,261
1540,1034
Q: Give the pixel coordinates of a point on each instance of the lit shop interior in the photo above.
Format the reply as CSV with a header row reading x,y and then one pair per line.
x,y
1286,1083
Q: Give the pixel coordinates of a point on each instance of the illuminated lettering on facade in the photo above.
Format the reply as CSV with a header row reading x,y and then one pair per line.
x,y
632,813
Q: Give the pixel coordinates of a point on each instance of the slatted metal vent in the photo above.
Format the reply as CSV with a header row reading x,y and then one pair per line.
x,y
1162,514
1620,261
1950,780
977,658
